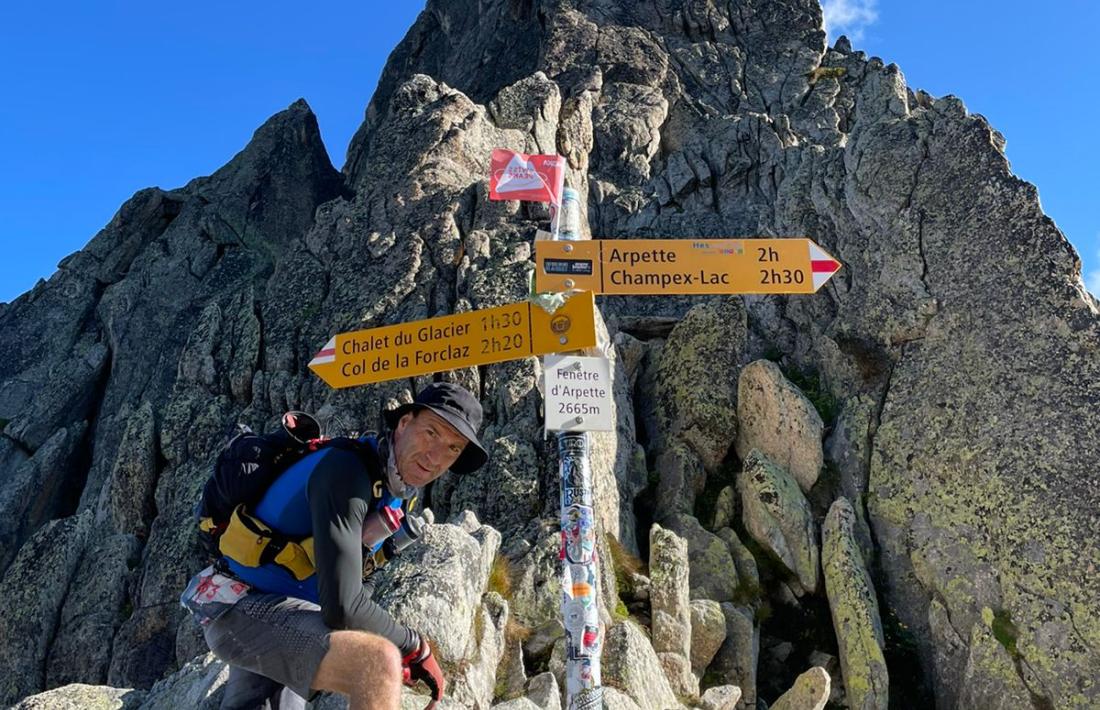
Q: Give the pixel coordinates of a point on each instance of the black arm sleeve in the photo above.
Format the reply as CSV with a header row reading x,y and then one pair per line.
x,y
339,499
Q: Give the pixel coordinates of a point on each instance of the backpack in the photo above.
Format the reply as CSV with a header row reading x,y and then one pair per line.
x,y
251,462
243,472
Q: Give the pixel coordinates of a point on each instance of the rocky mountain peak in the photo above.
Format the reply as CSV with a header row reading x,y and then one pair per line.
x,y
893,480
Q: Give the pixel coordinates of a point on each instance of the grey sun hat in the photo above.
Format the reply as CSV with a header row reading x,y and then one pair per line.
x,y
460,409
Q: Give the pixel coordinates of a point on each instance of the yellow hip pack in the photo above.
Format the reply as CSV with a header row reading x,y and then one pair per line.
x,y
247,540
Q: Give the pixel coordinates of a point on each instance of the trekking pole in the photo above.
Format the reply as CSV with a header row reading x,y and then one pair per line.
x,y
580,572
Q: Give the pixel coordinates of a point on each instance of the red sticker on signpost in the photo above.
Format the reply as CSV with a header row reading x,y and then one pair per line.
x,y
534,178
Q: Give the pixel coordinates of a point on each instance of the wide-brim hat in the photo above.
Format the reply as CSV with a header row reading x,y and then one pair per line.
x,y
460,409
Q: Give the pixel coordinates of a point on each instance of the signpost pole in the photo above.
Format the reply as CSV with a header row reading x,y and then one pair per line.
x,y
580,572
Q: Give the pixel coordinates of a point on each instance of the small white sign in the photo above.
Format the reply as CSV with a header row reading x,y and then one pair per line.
x,y
578,393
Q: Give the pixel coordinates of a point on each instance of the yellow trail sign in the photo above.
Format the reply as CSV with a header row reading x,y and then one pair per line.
x,y
450,342
683,266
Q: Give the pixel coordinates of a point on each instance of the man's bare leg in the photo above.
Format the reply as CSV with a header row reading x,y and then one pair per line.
x,y
365,667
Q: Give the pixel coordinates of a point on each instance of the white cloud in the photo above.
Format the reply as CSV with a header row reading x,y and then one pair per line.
x,y
848,17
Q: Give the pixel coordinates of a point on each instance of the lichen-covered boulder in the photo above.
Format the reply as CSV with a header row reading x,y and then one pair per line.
x,y
473,684
708,632
681,479
670,605
778,517
198,684
990,679
854,609
614,699
704,347
775,418
630,663
713,574
81,696
543,691
436,586
669,598
987,419
748,573
848,446
809,692
738,656
725,508
720,697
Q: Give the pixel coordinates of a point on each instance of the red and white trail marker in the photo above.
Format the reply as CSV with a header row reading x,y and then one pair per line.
x,y
533,178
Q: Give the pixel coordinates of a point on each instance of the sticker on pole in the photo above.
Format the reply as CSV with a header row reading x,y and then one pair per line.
x,y
534,178
578,393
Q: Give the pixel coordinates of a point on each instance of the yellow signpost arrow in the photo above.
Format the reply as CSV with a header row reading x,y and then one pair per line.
x,y
450,342
683,266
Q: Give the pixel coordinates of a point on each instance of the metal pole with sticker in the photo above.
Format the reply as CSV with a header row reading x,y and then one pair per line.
x,y
577,401
580,570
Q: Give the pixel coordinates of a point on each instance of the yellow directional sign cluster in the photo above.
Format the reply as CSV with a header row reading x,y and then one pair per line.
x,y
450,342
635,266
683,266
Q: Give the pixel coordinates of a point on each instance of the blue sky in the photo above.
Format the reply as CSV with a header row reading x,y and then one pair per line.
x,y
103,99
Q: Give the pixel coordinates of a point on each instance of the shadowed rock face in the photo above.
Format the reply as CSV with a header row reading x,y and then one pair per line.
x,y
959,320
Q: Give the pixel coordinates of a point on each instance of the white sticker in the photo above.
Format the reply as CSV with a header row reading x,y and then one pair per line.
x,y
578,393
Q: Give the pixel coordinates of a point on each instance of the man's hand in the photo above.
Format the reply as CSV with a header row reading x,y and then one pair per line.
x,y
421,665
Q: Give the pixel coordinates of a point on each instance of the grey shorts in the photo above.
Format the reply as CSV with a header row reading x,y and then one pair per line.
x,y
274,635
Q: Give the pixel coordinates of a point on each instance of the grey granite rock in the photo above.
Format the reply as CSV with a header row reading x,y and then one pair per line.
x,y
681,479
133,476
704,347
854,608
197,684
80,696
543,691
473,685
668,592
708,633
29,616
778,517
739,655
809,692
776,419
36,488
629,662
93,610
506,492
713,574
436,586
522,703
720,697
670,608
748,573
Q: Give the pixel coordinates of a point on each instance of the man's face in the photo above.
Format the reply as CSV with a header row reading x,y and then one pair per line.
x,y
424,446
